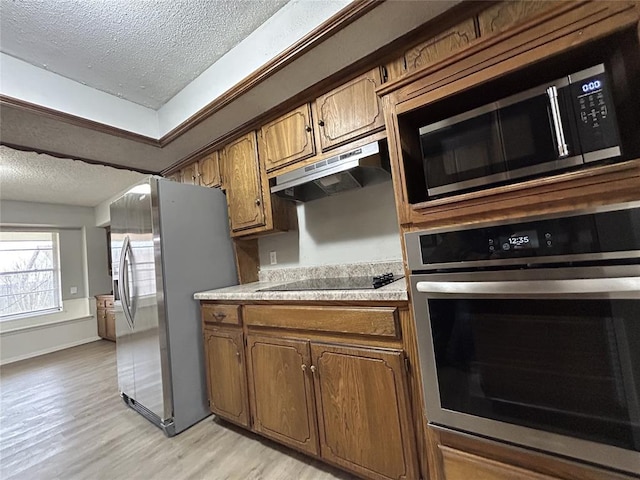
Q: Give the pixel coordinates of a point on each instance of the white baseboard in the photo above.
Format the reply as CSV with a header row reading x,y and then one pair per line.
x,y
48,350
34,340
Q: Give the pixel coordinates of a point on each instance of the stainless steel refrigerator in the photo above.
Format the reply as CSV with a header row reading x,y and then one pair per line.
x,y
168,240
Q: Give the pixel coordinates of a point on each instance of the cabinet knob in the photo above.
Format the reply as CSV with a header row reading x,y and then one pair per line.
x,y
321,123
304,367
258,202
237,354
307,128
313,369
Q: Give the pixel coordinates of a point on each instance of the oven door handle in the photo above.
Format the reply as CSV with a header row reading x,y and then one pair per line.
x,y
625,285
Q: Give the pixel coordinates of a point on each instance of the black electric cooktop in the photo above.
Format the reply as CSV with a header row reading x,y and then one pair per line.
x,y
337,283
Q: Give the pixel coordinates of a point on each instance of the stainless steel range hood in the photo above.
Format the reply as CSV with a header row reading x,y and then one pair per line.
x,y
366,165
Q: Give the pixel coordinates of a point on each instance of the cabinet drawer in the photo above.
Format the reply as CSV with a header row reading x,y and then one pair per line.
x,y
221,314
458,464
104,301
378,321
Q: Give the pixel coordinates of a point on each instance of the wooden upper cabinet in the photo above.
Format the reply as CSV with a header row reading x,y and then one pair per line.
x,y
175,177
226,374
189,174
350,111
440,46
243,183
364,417
283,405
504,15
287,139
209,170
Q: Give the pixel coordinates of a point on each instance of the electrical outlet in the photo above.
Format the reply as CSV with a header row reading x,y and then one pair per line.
x,y
73,290
272,258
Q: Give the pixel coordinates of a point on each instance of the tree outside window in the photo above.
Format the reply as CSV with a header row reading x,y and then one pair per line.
x,y
29,273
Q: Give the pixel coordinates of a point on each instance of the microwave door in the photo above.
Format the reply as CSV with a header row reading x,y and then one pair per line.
x,y
538,133
463,154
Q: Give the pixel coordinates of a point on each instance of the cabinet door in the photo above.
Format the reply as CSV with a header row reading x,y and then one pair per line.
x,y
244,192
504,15
226,374
280,383
440,46
364,420
287,139
189,174
101,315
175,176
350,111
110,324
209,170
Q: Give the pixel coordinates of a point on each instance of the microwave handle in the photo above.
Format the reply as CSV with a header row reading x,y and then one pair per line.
x,y
621,285
563,149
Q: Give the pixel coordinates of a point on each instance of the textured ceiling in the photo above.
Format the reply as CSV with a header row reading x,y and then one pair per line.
x,y
141,50
31,177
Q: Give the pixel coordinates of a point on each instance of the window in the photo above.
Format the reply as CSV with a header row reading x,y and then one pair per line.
x,y
29,273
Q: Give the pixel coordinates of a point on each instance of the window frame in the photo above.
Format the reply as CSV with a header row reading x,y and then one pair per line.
x,y
55,270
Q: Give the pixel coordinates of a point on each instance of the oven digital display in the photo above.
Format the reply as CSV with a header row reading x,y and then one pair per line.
x,y
520,240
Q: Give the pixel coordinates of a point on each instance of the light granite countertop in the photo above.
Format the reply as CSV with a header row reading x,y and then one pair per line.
x,y
396,291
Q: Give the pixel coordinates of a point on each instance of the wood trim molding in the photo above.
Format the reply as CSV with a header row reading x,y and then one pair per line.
x,y
479,44
379,57
330,27
333,25
75,120
72,157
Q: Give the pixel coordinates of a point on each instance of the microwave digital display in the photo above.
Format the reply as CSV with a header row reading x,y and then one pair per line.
x,y
591,86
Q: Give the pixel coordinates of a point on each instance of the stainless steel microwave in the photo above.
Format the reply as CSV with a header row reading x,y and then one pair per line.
x,y
561,124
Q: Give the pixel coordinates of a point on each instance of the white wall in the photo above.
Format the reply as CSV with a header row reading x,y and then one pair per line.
x,y
353,227
83,264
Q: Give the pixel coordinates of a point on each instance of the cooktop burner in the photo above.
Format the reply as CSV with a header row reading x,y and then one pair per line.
x,y
336,283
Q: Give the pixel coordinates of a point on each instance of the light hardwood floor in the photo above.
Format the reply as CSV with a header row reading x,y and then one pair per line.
x,y
61,417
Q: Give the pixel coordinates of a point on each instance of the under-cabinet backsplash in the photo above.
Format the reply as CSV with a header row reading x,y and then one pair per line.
x,y
352,227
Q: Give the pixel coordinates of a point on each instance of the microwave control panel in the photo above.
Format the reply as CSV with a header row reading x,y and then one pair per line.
x,y
594,112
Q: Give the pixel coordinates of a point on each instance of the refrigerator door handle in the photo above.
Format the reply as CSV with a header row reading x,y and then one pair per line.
x,y
123,283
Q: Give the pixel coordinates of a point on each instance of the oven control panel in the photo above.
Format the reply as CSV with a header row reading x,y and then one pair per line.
x,y
586,235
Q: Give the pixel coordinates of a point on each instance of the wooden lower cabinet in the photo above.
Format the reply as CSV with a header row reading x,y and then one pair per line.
x,y
283,404
226,374
459,465
363,408
106,317
459,456
358,396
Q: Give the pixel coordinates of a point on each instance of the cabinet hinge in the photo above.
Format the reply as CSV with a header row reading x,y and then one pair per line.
x,y
404,62
245,342
407,366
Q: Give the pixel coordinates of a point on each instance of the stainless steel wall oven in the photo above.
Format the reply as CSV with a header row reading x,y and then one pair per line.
x,y
529,331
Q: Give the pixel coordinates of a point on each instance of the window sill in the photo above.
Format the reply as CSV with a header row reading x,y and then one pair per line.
x,y
72,310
